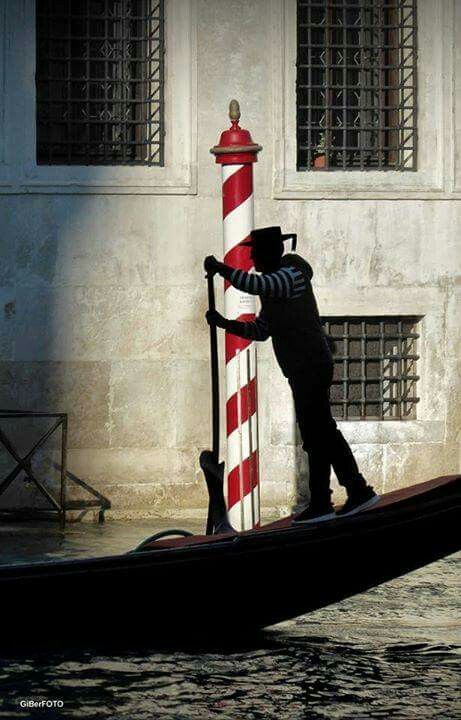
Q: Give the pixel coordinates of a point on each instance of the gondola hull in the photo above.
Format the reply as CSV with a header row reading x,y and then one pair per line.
x,y
205,587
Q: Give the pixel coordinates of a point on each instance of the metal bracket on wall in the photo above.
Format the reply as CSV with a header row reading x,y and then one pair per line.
x,y
61,505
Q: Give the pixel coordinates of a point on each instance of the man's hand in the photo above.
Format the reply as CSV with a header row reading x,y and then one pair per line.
x,y
212,265
216,319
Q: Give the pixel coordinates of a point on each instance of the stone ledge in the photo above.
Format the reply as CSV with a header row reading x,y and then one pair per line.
x,y
393,431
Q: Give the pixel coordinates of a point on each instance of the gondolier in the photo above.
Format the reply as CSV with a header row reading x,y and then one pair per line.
x,y
290,316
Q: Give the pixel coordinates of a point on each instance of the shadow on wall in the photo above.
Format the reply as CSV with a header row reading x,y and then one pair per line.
x,y
98,321
43,242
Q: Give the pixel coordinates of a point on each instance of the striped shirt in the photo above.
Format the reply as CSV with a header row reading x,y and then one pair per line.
x,y
286,283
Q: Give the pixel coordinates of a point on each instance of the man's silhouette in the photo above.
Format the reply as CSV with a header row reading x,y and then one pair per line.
x,y
290,316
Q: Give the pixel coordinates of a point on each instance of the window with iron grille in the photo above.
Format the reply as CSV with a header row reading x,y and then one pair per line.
x,y
375,367
356,85
99,80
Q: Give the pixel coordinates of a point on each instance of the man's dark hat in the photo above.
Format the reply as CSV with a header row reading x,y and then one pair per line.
x,y
270,237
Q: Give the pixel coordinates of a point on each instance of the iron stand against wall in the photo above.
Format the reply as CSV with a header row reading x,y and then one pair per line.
x,y
61,505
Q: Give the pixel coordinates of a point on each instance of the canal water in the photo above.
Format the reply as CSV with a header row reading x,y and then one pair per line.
x,y
391,653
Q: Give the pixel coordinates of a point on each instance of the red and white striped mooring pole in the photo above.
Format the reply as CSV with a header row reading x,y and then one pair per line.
x,y
236,153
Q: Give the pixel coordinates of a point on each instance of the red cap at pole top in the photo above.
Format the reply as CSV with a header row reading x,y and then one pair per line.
x,y
235,145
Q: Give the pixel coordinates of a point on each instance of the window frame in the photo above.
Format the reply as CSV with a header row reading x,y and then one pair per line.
x,y
393,379
427,302
325,58
85,130
434,177
20,171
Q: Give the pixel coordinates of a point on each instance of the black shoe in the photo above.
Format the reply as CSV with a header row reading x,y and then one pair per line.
x,y
359,500
315,513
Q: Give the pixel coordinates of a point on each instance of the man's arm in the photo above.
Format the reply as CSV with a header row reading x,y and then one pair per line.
x,y
257,329
282,284
285,283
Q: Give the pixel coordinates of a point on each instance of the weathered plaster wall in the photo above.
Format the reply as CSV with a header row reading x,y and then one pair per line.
x,y
102,301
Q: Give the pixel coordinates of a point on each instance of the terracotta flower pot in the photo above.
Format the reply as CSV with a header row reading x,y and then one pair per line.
x,y
320,161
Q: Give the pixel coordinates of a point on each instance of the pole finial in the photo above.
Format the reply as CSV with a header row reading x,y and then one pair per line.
x,y
235,145
234,111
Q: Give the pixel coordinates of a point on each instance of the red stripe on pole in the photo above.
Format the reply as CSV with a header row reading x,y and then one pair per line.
x,y
236,189
250,479
247,406
239,256
235,344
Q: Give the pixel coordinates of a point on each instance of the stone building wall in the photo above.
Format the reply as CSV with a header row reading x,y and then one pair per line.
x,y
102,294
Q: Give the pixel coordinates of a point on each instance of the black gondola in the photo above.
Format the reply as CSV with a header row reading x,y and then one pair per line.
x,y
211,585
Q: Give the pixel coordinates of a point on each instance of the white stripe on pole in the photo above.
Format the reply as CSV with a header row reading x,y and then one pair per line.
x,y
235,518
228,170
248,510
237,303
235,511
238,223
240,438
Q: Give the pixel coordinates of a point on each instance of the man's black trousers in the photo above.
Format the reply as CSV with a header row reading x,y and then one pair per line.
x,y
323,442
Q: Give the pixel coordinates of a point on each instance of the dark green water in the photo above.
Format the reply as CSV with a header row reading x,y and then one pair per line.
x,y
392,653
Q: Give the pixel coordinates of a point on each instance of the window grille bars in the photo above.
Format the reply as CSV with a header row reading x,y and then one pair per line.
x,y
356,85
375,367
100,82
